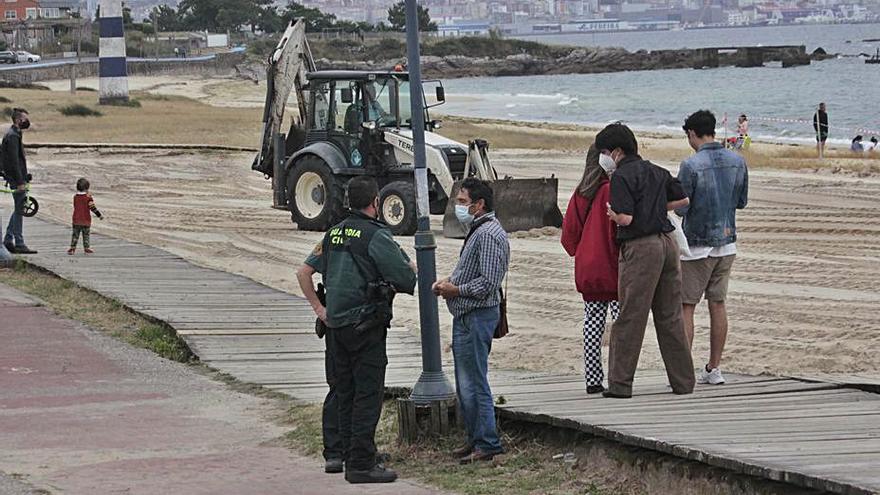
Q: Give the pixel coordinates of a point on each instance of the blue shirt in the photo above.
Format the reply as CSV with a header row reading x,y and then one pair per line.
x,y
717,182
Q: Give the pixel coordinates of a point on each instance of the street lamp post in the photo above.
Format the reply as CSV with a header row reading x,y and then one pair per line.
x,y
433,385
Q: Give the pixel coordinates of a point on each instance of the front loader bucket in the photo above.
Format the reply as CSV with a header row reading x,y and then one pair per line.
x,y
519,204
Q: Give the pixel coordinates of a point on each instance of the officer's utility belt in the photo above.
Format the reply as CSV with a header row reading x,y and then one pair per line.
x,y
380,296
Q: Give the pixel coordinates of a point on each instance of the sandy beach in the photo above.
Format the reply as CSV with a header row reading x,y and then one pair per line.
x,y
804,289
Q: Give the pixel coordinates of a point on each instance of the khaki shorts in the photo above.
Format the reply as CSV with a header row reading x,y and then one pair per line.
x,y
707,276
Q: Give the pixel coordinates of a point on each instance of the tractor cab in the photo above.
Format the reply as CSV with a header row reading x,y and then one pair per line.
x,y
351,109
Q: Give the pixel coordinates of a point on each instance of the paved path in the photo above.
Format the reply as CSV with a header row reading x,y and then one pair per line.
x,y
816,435
82,413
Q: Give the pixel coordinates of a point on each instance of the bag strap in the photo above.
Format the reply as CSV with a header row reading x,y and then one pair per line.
x,y
477,224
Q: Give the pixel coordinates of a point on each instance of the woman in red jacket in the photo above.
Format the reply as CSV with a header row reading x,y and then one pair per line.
x,y
588,235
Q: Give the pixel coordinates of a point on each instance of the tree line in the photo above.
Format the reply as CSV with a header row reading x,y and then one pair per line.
x,y
264,16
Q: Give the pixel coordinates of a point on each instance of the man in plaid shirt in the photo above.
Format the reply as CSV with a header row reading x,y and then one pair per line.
x,y
472,294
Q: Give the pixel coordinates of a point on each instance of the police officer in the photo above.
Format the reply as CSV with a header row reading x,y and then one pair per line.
x,y
362,267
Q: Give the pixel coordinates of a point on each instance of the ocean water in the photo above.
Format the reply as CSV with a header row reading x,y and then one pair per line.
x,y
779,102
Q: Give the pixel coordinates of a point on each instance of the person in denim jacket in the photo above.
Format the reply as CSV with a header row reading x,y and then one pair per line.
x,y
717,182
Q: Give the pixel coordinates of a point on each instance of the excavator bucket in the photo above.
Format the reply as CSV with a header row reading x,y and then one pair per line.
x,y
519,204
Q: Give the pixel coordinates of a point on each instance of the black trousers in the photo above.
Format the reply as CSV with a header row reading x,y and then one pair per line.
x,y
360,387
333,448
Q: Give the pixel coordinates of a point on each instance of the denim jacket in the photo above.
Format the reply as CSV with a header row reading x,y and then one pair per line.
x,y
717,182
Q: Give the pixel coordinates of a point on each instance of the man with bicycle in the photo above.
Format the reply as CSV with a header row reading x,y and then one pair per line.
x,y
16,173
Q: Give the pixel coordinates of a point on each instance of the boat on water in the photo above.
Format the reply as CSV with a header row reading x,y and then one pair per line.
x,y
875,59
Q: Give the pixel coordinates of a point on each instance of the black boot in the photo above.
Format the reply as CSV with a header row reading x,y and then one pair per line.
x,y
378,474
333,466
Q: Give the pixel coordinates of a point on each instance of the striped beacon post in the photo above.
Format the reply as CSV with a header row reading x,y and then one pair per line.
x,y
111,61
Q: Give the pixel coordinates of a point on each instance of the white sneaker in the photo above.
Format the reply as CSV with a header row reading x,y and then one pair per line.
x,y
713,377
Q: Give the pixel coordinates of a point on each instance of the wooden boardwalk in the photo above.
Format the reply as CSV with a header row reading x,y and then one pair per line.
x,y
818,435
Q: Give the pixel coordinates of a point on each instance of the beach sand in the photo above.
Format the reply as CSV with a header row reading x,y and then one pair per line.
x,y
803,294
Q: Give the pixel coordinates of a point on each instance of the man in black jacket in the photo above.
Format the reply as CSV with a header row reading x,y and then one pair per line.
x,y
17,176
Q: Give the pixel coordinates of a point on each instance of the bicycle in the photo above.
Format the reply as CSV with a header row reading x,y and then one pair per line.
x,y
31,205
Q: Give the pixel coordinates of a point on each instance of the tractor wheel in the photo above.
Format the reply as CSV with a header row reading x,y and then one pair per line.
x,y
397,208
31,207
314,195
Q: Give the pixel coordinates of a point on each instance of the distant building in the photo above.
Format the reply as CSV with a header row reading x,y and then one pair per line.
x,y
463,29
16,10
592,25
58,9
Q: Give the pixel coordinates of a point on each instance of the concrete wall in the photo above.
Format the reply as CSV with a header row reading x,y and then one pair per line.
x,y
220,64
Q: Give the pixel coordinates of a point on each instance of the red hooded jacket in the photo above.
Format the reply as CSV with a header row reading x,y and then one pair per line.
x,y
589,237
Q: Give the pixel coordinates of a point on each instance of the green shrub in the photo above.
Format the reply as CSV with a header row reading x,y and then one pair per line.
x,y
4,99
130,103
493,47
262,47
20,85
78,110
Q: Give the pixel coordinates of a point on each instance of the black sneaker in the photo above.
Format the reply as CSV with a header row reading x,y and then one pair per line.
x,y
378,474
595,389
23,249
612,395
10,247
333,466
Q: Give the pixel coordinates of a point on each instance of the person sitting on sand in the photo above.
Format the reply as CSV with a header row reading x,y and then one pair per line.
x,y
741,140
588,235
870,146
856,145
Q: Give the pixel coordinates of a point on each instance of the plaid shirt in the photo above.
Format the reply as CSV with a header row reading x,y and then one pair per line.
x,y
483,264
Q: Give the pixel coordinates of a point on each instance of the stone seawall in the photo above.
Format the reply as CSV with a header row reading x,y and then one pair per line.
x,y
220,64
589,60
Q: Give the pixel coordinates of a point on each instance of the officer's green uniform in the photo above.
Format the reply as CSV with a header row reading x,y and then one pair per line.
x,y
360,357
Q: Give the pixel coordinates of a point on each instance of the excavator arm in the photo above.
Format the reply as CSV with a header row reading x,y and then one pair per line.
x,y
286,72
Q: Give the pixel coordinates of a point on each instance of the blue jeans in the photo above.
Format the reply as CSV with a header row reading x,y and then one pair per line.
x,y
13,230
471,343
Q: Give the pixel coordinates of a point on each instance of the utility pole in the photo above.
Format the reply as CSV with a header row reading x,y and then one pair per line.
x,y
156,29
433,385
79,37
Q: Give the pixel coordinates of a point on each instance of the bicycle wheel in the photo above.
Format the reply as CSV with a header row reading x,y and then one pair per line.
x,y
31,206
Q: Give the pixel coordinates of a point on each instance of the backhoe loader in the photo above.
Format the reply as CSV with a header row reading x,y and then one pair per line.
x,y
353,123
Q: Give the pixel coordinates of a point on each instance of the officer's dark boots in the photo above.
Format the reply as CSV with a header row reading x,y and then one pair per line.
x,y
379,474
333,466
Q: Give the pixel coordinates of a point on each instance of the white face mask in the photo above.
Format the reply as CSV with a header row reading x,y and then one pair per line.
x,y
607,163
463,215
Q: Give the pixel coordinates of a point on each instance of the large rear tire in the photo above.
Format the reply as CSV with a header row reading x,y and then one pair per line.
x,y
397,207
314,195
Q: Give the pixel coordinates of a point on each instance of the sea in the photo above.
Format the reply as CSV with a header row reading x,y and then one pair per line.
x,y
779,102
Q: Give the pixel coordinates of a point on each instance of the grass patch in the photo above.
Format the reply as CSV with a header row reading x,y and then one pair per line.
x,y
78,110
129,103
4,99
103,314
527,468
86,88
164,116
4,84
